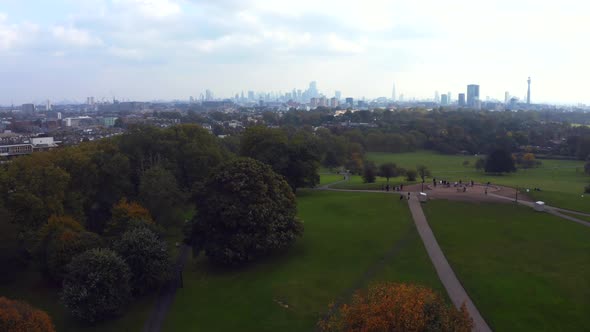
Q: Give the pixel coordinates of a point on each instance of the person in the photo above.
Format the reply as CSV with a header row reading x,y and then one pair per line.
x,y
387,188
486,190
408,195
464,189
401,197
401,187
472,183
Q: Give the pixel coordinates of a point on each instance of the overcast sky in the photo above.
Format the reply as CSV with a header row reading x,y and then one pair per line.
x,y
172,49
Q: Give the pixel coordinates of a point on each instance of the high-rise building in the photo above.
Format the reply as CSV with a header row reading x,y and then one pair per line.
x,y
28,108
338,95
528,92
461,100
449,100
506,97
472,95
48,105
350,101
436,97
208,95
251,96
334,102
393,95
444,99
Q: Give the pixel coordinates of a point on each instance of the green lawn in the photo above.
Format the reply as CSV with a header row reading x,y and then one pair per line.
x,y
525,270
346,235
326,178
562,181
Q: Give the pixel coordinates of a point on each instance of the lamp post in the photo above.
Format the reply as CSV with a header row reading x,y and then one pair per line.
x,y
516,196
422,184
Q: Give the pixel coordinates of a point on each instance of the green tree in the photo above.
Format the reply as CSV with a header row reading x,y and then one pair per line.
x,y
423,172
388,170
500,161
96,285
587,166
159,193
147,257
411,175
480,164
369,172
245,211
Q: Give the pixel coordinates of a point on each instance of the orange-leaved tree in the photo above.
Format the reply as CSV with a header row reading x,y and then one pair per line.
x,y
123,213
397,307
18,316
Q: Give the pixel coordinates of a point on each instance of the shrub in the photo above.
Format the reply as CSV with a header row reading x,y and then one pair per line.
x,y
411,175
147,257
18,316
245,211
398,307
96,285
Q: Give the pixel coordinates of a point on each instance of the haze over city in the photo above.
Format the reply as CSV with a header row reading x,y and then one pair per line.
x,y
68,50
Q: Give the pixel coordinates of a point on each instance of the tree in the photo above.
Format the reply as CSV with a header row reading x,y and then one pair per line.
x,y
388,170
480,164
411,175
159,192
423,172
147,257
369,172
528,160
19,316
398,307
245,211
123,213
96,285
500,161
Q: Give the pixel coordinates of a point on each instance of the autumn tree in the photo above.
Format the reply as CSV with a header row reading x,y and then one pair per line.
x,y
397,307
123,213
245,211
19,316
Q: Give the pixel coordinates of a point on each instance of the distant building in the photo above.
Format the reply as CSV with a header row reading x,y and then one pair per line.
x,y
338,95
35,144
28,108
461,100
506,97
334,102
48,105
350,101
449,99
472,95
528,92
444,99
251,96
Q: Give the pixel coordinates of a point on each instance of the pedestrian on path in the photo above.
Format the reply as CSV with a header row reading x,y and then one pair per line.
x,y
408,195
401,197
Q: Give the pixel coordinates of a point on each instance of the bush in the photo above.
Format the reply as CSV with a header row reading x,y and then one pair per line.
x,y
398,307
369,172
147,257
18,316
245,211
411,175
96,285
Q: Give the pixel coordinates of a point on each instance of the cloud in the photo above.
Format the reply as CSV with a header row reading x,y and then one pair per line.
x,y
75,37
153,9
13,36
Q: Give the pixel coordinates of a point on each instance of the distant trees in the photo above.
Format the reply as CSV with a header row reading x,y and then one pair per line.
x,y
96,285
480,164
245,211
411,175
398,307
19,316
160,194
296,158
500,161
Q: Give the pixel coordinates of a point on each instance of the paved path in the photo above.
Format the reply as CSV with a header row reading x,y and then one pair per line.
x,y
445,273
166,295
553,210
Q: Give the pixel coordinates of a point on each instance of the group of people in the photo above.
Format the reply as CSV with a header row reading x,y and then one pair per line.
x,y
448,184
387,187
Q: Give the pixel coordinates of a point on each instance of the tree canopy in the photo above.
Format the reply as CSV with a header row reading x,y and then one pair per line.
x,y
500,161
245,211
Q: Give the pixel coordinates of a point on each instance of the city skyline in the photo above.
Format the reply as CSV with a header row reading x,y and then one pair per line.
x,y
171,49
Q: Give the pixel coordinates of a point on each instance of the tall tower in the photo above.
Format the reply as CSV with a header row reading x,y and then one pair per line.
x,y
528,92
393,93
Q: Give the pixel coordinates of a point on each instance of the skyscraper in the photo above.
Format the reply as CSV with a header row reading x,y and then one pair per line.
x,y
338,95
444,99
461,99
472,95
48,105
436,97
393,92
528,92
251,96
506,97
449,101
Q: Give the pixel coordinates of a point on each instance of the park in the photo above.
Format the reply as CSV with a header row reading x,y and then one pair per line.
x,y
476,241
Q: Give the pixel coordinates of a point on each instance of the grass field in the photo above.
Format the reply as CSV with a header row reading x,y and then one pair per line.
x,y
562,181
326,178
525,271
346,235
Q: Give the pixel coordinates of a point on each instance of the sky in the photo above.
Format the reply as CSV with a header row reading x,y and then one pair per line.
x,y
172,49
